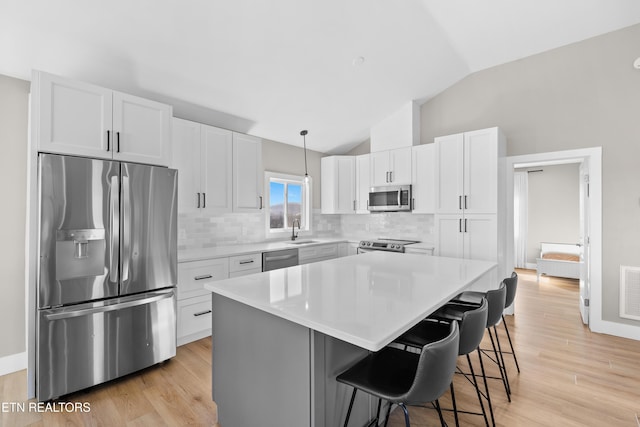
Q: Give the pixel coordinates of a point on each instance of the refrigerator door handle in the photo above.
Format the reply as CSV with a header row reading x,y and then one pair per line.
x,y
105,308
126,227
114,213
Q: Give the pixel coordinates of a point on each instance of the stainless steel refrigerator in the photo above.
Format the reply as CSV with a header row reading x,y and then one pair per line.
x,y
106,297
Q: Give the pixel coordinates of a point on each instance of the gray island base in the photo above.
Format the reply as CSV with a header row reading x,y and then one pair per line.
x,y
280,338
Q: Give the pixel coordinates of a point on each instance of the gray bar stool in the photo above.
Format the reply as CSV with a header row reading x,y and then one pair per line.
x,y
472,323
406,378
496,299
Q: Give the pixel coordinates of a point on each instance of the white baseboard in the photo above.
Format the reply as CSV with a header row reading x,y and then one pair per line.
x,y
13,363
617,329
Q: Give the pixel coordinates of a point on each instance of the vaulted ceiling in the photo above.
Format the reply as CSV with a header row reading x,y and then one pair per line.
x,y
272,68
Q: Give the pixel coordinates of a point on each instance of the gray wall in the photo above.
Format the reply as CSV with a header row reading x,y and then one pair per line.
x,y
554,207
582,95
14,97
283,158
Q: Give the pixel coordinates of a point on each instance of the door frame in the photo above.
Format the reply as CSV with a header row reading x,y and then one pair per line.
x,y
594,163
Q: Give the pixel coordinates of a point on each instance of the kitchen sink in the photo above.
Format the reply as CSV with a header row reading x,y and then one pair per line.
x,y
301,242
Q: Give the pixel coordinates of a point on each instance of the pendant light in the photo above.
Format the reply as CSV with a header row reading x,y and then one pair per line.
x,y
304,142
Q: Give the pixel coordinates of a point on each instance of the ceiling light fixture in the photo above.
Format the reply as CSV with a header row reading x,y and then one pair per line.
x,y
636,64
358,60
304,142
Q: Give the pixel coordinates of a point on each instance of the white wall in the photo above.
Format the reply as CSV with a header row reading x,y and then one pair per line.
x,y
554,207
14,95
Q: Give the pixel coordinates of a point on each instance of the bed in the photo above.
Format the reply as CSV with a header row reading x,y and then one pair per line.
x,y
559,260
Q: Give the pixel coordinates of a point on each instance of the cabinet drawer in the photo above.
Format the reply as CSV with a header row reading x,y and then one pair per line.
x,y
245,262
193,275
194,317
317,253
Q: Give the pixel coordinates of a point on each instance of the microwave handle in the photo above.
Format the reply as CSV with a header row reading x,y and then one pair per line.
x,y
399,194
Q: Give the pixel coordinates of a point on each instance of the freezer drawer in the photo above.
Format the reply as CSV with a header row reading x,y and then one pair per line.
x,y
88,344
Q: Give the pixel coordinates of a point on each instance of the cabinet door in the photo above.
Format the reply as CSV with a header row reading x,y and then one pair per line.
x,y
247,173
216,157
423,178
379,164
449,236
480,237
481,171
186,158
142,130
449,173
338,184
362,186
400,166
71,117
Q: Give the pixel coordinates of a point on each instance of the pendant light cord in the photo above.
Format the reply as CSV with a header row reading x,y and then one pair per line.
x,y
304,141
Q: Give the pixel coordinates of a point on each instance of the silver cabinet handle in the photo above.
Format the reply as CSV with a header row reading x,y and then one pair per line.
x,y
114,209
460,225
278,257
390,176
109,307
465,225
108,140
206,276
126,227
202,313
465,202
248,261
118,142
204,200
460,202
198,200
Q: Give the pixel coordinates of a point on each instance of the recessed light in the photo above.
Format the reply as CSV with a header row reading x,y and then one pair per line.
x,y
358,60
636,64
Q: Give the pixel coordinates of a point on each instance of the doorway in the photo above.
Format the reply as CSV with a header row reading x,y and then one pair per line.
x,y
590,218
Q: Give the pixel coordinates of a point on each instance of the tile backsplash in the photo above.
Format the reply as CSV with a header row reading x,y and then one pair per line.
x,y
196,231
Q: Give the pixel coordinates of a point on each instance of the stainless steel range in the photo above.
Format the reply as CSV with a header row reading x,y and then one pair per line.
x,y
390,245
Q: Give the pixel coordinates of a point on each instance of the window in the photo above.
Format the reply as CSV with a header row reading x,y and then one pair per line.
x,y
287,202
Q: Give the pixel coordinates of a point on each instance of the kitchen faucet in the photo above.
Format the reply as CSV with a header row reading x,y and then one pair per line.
x,y
293,227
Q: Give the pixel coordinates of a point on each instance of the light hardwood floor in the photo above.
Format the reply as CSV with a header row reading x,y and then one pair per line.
x,y
570,377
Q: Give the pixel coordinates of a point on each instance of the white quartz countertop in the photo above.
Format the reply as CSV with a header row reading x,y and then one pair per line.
x,y
232,250
367,300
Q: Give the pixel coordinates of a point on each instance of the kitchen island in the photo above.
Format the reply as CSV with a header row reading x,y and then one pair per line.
x,y
281,337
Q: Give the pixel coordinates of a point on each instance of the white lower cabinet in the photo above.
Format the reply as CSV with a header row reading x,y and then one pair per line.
x,y
243,265
194,301
194,318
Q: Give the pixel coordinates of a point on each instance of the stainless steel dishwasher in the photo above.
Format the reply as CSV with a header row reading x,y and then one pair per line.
x,y
279,259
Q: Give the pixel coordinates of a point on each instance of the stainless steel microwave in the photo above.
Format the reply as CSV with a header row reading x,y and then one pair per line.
x,y
390,198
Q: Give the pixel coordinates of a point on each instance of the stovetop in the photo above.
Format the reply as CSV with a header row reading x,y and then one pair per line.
x,y
394,245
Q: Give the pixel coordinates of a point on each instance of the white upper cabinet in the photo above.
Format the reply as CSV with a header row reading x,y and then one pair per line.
x,y
391,167
203,156
142,130
247,173
363,183
467,171
71,117
423,180
338,181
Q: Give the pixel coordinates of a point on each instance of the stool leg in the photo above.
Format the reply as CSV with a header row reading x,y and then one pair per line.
x,y
486,387
406,414
477,386
513,351
353,397
495,351
386,419
437,405
504,366
455,408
